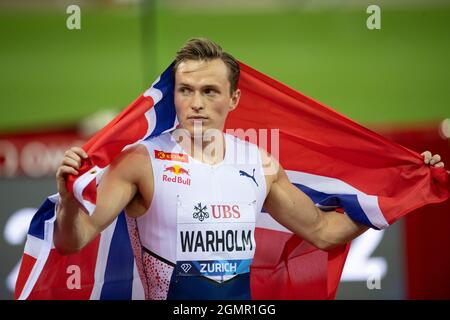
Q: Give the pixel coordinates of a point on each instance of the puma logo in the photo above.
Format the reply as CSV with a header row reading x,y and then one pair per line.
x,y
245,174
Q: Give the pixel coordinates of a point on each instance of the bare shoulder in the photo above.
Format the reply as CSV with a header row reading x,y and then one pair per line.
x,y
134,154
269,163
132,163
271,167
131,171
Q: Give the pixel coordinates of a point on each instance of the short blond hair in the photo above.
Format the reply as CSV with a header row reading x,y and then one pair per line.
x,y
205,49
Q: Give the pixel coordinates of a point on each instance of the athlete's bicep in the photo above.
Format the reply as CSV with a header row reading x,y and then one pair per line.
x,y
295,210
286,203
118,186
292,208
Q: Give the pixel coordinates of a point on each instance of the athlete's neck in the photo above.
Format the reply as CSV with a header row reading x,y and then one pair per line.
x,y
207,148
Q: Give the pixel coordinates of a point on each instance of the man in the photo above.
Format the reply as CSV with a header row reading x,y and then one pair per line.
x,y
192,195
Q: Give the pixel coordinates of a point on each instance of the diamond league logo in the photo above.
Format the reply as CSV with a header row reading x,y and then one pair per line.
x,y
185,267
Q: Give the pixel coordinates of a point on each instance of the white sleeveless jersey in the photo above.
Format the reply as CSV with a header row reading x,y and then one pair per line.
x,y
202,217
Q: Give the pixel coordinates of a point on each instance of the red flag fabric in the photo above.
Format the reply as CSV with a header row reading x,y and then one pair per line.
x,y
336,162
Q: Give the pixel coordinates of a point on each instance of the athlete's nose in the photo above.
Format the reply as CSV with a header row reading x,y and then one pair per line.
x,y
197,102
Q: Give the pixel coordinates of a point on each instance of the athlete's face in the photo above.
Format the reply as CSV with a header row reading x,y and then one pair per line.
x,y
202,94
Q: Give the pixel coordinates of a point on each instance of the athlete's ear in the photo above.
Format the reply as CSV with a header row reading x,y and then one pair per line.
x,y
235,96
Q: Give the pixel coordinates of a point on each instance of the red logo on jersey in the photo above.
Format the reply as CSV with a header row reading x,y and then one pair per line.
x,y
161,155
179,173
177,170
225,211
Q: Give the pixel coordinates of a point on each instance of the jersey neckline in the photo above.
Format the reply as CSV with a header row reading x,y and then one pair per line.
x,y
225,160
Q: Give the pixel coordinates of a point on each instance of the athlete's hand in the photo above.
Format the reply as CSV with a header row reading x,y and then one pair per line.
x,y
433,160
69,165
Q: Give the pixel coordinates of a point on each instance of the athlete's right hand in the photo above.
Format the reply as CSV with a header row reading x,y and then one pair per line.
x,y
69,165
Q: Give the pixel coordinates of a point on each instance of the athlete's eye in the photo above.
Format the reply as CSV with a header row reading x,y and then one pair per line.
x,y
211,92
184,90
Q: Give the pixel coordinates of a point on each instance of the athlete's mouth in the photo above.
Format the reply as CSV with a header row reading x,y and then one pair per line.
x,y
197,118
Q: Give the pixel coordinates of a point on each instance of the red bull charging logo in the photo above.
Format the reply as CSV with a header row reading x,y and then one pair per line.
x,y
181,175
176,169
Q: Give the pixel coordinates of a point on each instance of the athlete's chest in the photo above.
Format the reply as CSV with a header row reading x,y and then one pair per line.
x,y
203,210
198,180
212,211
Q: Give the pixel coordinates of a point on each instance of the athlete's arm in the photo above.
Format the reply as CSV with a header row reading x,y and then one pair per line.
x,y
123,180
294,210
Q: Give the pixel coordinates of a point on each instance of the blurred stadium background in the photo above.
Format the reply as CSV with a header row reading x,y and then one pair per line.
x,y
58,86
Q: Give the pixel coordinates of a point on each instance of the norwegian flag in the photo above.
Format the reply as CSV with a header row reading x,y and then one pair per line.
x,y
339,164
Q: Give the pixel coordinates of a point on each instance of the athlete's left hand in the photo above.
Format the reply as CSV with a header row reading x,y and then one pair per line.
x,y
433,160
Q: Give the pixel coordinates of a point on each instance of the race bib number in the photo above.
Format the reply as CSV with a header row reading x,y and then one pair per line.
x,y
215,240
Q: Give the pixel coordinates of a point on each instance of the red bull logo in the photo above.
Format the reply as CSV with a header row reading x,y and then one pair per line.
x,y
181,175
176,169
